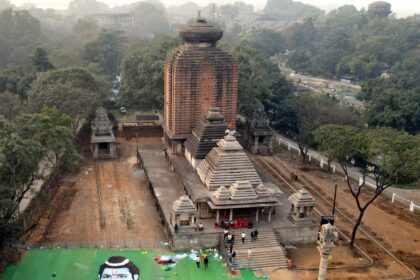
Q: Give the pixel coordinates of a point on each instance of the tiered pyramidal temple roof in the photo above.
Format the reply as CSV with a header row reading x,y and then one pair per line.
x,y
226,164
302,198
241,190
205,135
262,191
241,194
183,205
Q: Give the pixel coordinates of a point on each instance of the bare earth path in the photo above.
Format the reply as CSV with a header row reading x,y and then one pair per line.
x,y
127,207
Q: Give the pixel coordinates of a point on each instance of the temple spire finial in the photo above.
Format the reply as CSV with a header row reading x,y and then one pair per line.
x,y
199,14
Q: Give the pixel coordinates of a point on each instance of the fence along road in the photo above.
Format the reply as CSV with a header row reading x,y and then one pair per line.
x,y
391,193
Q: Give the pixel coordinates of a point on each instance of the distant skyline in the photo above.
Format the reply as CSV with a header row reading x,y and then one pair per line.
x,y
401,7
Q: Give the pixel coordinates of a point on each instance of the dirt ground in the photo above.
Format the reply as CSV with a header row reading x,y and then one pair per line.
x,y
392,225
128,208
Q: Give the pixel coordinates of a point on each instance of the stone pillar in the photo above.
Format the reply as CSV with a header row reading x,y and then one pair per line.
x,y
270,209
256,215
217,216
231,214
327,236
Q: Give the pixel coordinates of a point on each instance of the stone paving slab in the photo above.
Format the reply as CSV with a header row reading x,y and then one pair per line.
x,y
164,182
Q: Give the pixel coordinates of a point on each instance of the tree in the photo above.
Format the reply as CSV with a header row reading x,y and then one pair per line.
x,y
28,149
267,41
10,105
40,60
86,30
290,10
390,155
73,91
314,111
51,128
329,139
150,20
142,71
20,32
107,50
259,78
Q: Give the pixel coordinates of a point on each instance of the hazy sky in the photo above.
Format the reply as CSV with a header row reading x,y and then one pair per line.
x,y
401,7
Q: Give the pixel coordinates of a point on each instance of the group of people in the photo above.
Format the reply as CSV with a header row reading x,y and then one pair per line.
x,y
235,224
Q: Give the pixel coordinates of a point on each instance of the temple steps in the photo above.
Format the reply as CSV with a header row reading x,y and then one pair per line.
x,y
267,251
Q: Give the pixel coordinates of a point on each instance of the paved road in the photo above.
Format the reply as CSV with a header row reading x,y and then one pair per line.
x,y
354,173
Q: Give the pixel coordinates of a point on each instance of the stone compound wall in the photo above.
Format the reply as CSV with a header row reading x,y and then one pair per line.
x,y
297,235
195,240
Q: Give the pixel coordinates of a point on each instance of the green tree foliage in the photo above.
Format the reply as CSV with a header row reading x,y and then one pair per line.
x,y
142,72
290,10
337,142
269,42
28,149
347,41
10,105
74,91
20,33
150,20
395,101
314,111
107,50
40,60
391,156
17,79
86,30
259,78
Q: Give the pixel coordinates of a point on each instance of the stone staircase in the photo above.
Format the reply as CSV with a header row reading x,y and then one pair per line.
x,y
267,251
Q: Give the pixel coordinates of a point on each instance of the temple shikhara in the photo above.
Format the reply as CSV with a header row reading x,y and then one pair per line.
x,y
198,76
204,178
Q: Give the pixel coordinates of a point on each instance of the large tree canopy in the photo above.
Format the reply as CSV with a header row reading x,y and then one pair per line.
x,y
20,32
29,150
74,91
142,72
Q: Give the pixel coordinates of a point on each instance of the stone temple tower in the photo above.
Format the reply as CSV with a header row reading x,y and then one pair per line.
x,y
198,76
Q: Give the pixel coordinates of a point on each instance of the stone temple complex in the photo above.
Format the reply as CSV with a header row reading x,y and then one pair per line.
x,y
198,76
204,177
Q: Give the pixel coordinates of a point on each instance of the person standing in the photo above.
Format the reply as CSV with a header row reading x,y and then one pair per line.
x,y
197,261
231,248
252,235
243,237
249,253
206,262
255,234
229,238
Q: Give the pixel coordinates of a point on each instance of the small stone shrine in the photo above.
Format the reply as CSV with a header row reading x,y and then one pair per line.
x,y
226,164
103,139
205,136
258,134
183,214
302,204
